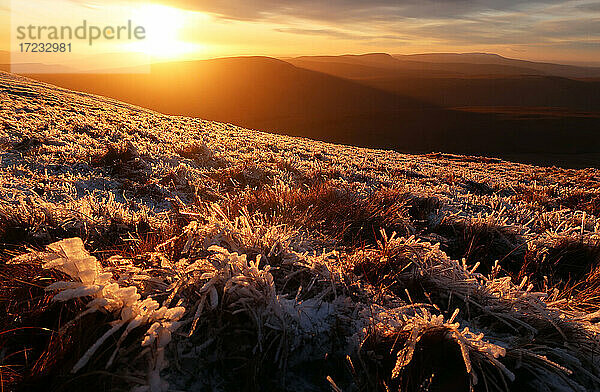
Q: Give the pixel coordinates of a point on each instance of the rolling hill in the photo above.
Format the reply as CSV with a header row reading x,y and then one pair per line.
x,y
467,80
406,66
567,71
371,101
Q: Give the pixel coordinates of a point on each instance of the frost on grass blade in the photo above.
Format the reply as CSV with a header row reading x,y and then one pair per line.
x,y
306,272
129,309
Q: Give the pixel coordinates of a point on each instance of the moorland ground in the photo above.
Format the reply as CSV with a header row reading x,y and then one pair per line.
x,y
155,252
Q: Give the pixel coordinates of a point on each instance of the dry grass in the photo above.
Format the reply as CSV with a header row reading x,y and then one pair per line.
x,y
483,241
562,262
123,161
583,201
337,212
281,252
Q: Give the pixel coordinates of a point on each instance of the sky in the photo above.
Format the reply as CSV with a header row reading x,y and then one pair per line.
x,y
551,30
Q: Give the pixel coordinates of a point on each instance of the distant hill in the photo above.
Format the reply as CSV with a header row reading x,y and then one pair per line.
x,y
410,67
567,71
456,80
5,65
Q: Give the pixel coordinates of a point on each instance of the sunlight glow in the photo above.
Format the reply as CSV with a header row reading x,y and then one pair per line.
x,y
163,26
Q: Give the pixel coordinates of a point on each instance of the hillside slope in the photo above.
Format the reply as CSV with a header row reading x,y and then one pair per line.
x,y
261,93
408,114
170,253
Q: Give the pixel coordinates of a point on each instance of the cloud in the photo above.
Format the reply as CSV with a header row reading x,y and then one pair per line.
x,y
349,10
570,27
475,20
339,34
591,7
449,23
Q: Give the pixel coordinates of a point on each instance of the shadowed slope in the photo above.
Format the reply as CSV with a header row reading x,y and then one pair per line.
x,y
376,109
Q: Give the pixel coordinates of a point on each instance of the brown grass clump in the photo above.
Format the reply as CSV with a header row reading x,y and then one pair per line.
x,y
437,364
562,261
391,271
572,258
339,213
23,224
28,145
177,181
482,240
423,210
201,154
246,175
583,295
196,151
537,195
583,201
123,161
234,340
477,188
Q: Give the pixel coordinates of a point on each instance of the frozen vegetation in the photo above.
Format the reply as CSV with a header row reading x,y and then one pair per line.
x,y
153,253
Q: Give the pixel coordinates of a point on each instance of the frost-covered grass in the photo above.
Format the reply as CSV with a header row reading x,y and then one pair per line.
x,y
153,253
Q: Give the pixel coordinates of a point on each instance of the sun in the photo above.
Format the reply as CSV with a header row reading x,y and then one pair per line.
x,y
164,26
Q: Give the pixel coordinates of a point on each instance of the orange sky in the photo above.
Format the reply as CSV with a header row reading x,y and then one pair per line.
x,y
567,31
